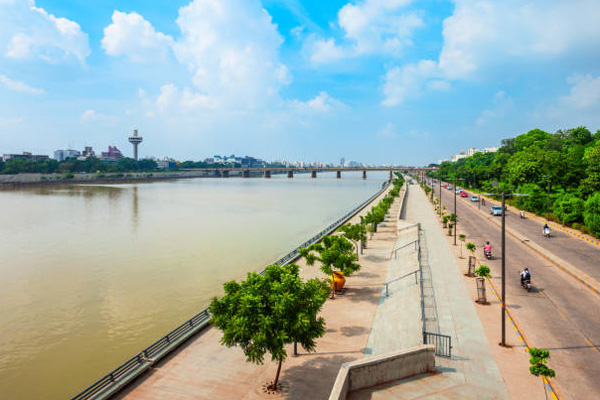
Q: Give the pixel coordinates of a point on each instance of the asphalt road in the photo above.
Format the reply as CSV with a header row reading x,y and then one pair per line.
x,y
560,313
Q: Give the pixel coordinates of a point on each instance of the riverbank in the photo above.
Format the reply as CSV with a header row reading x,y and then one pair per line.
x,y
98,178
202,368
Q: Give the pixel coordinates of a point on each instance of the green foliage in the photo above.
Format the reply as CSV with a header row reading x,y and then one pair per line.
x,y
335,253
266,312
356,232
462,237
72,165
483,271
538,359
470,246
591,214
569,209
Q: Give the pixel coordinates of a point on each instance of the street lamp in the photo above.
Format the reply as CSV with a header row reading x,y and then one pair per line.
x,y
503,301
548,202
455,214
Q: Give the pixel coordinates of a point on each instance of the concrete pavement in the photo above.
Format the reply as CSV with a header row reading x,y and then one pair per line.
x,y
471,372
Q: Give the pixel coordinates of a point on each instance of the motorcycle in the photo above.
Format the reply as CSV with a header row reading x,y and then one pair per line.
x,y
546,232
526,282
487,254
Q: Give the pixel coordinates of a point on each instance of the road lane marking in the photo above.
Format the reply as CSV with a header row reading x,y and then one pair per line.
x,y
549,385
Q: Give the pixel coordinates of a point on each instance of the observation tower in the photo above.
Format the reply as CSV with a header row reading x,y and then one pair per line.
x,y
135,140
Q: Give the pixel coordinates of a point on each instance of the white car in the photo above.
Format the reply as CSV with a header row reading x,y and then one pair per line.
x,y
458,191
474,198
496,210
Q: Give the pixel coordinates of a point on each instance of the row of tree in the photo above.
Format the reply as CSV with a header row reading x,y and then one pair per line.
x,y
268,311
560,173
73,165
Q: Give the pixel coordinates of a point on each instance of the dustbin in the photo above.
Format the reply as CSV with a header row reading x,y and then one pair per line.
x,y
481,290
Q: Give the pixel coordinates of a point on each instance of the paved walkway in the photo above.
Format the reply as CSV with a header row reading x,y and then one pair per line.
x,y
204,369
361,322
472,372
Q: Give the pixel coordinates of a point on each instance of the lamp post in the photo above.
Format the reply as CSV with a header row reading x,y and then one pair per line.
x,y
455,213
548,202
503,254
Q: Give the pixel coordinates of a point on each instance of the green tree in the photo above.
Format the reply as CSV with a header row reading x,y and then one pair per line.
x,y
592,158
266,312
335,253
591,214
569,208
538,359
356,233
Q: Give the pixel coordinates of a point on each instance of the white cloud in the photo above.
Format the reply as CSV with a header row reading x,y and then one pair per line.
x,y
232,49
325,51
409,81
322,103
503,104
481,33
585,92
29,32
370,27
93,116
19,86
130,35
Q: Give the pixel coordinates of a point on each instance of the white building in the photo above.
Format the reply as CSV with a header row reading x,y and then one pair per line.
x,y
62,155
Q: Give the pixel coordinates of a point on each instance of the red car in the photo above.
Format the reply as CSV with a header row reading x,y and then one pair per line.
x,y
464,194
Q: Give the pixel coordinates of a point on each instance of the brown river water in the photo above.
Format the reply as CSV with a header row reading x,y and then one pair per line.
x,y
92,274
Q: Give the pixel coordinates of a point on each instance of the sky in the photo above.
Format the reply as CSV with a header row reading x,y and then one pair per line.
x,y
374,81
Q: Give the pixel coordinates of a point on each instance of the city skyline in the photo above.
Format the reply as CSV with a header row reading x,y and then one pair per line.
x,y
380,82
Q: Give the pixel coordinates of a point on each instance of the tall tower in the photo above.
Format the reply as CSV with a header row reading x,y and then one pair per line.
x,y
135,140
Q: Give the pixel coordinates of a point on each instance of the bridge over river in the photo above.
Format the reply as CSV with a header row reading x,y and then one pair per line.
x,y
225,172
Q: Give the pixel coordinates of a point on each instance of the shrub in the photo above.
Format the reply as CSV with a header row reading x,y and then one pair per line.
x,y
483,271
591,214
569,208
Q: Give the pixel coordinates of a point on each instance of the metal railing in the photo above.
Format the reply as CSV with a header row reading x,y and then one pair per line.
x,y
141,361
400,278
136,365
415,242
443,343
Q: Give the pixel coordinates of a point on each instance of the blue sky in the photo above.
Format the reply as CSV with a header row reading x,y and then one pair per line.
x,y
376,81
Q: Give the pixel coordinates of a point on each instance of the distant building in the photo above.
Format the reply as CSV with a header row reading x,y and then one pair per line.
x,y
62,155
458,156
25,156
251,162
166,163
113,154
87,152
490,150
343,162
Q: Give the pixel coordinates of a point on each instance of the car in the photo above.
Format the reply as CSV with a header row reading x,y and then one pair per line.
x,y
474,198
496,210
449,187
464,194
459,190
445,186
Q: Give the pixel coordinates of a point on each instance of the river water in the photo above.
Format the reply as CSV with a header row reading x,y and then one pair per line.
x,y
92,274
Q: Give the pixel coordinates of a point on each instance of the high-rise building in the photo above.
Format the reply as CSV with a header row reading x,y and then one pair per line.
x,y
62,155
342,162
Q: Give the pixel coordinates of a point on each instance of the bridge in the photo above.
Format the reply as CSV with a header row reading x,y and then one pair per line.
x,y
225,172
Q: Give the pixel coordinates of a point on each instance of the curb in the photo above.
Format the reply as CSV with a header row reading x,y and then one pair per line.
x,y
549,385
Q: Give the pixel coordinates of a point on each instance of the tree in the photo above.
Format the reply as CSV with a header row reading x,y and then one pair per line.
x,y
356,233
266,312
471,247
538,359
335,253
591,214
569,208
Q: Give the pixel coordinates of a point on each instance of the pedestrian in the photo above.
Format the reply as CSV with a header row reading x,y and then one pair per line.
x,y
482,201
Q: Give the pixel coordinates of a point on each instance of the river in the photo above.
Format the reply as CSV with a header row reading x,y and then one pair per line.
x,y
92,274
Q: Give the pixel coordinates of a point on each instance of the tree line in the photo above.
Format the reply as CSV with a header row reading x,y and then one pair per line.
x,y
560,173
73,165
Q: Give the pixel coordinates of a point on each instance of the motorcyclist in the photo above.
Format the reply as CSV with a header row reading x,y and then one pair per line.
x,y
487,249
546,229
525,275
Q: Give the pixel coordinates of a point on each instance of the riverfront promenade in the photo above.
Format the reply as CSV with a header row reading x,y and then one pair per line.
x,y
361,322
203,369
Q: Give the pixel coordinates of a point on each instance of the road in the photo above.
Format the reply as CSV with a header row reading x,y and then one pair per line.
x,y
560,313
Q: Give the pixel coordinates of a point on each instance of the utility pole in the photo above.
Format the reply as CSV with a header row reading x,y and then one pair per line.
x,y
503,343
